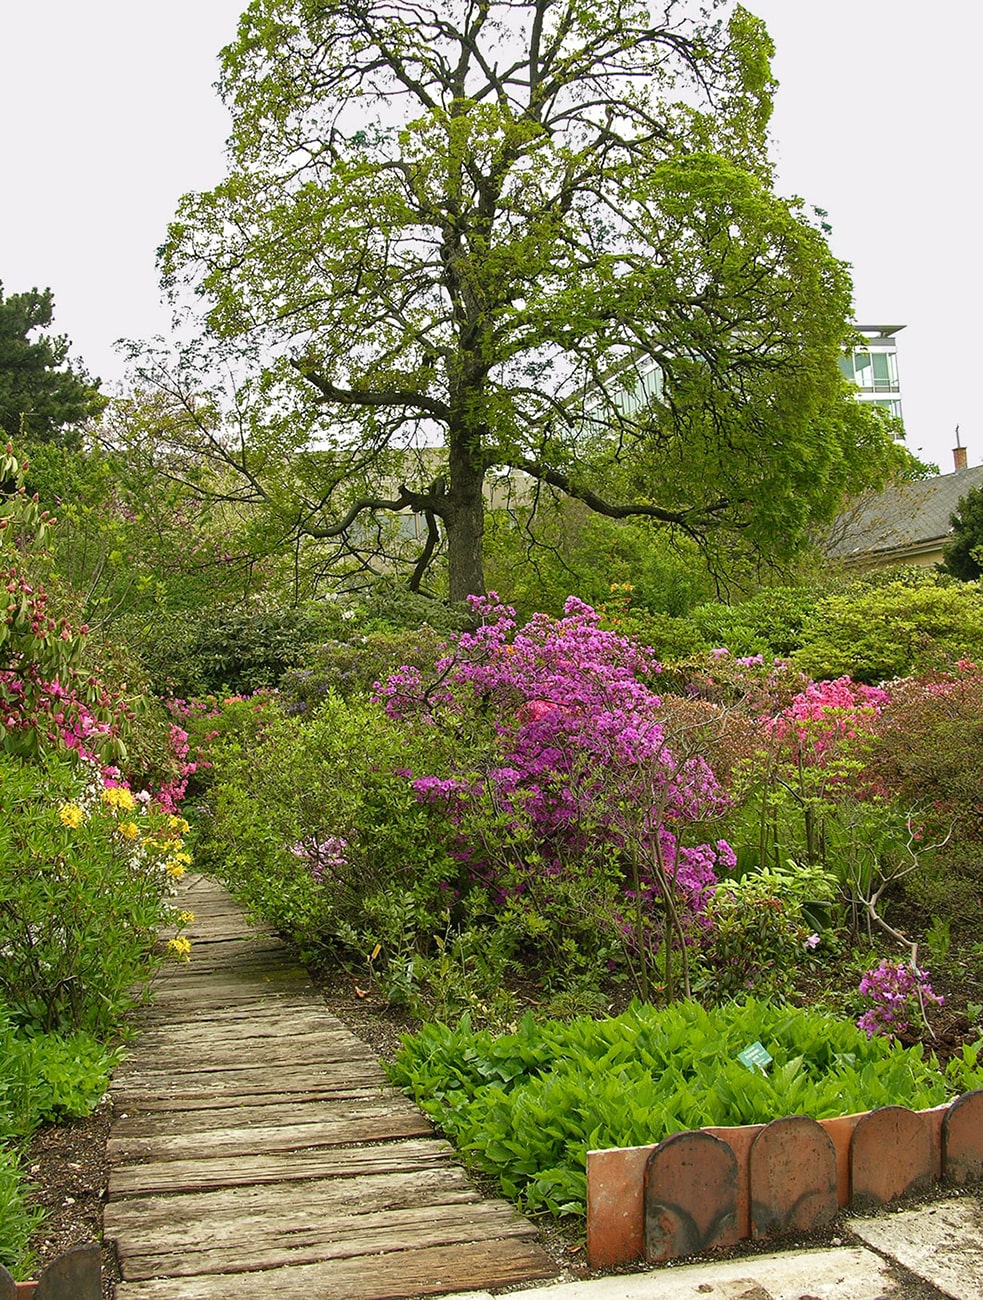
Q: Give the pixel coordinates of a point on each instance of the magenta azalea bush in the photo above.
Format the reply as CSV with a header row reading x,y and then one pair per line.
x,y
540,794
578,768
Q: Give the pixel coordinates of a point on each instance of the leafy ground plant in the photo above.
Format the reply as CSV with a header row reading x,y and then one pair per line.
x,y
44,1078
526,1107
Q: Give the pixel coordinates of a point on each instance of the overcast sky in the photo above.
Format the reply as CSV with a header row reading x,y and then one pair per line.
x,y
108,115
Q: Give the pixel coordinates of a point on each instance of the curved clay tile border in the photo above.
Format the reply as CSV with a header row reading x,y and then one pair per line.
x,y
716,1186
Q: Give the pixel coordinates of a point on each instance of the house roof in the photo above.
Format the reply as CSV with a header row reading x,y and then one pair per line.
x,y
904,520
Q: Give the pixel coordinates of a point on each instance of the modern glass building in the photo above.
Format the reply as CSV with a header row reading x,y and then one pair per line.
x,y
874,367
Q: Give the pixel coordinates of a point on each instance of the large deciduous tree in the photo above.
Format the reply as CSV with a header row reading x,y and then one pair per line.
x,y
43,398
487,228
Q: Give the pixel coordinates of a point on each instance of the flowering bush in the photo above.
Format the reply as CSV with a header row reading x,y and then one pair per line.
x,y
825,714
311,827
351,668
199,727
578,768
898,991
762,930
86,871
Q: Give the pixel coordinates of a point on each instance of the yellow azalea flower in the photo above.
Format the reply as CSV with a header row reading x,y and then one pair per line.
x,y
128,830
180,947
178,824
174,868
185,917
117,797
70,814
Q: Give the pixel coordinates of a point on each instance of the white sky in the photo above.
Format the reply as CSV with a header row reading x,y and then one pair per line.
x,y
108,115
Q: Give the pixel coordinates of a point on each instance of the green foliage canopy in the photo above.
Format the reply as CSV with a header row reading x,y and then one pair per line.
x,y
481,231
877,632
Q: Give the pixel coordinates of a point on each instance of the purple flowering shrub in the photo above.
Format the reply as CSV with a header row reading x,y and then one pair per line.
x,y
580,801
898,991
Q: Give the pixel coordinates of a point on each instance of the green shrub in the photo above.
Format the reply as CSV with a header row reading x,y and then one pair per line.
x,y
18,1219
335,779
84,880
351,668
769,623
764,925
49,1078
193,652
873,633
44,1078
526,1107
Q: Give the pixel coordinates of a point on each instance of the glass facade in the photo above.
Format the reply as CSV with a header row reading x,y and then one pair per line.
x,y
874,368
872,372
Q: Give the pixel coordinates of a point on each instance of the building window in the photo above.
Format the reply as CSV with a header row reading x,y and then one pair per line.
x,y
872,372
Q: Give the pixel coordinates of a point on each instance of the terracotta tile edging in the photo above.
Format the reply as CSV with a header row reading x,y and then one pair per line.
x,y
616,1182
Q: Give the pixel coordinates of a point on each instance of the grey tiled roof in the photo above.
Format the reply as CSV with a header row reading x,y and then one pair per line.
x,y
903,517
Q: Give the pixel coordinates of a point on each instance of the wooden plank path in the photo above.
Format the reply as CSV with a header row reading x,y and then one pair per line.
x,y
258,1153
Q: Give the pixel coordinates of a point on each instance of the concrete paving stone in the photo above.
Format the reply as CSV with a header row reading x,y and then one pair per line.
x,y
941,1242
846,1273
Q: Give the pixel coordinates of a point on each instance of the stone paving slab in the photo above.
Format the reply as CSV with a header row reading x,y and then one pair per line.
x,y
839,1274
941,1242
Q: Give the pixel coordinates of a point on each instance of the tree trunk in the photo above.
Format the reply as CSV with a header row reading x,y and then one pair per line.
x,y
464,519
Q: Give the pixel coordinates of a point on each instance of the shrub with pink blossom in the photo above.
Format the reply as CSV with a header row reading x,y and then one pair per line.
x,y
898,992
577,773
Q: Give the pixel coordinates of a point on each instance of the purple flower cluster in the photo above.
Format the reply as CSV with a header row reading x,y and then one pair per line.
x,y
582,749
323,857
897,990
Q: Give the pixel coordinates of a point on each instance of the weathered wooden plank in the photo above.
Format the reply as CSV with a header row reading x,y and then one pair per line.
x,y
157,1177
238,1014
162,1223
228,993
222,952
191,974
245,962
247,1086
249,1075
325,1112
263,1027
128,1104
215,1057
285,1137
259,979
433,1271
266,1244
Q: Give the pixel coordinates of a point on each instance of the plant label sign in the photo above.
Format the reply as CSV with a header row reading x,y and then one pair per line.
x,y
755,1057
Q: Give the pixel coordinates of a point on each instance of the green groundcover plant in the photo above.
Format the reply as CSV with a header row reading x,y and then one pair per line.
x,y
44,1078
526,1107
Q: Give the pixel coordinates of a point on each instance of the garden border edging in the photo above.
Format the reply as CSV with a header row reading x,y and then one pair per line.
x,y
657,1202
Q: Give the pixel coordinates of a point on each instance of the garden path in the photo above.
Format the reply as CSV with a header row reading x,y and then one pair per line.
x,y
257,1151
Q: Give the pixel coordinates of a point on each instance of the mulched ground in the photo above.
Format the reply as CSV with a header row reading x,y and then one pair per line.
x,y
68,1168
